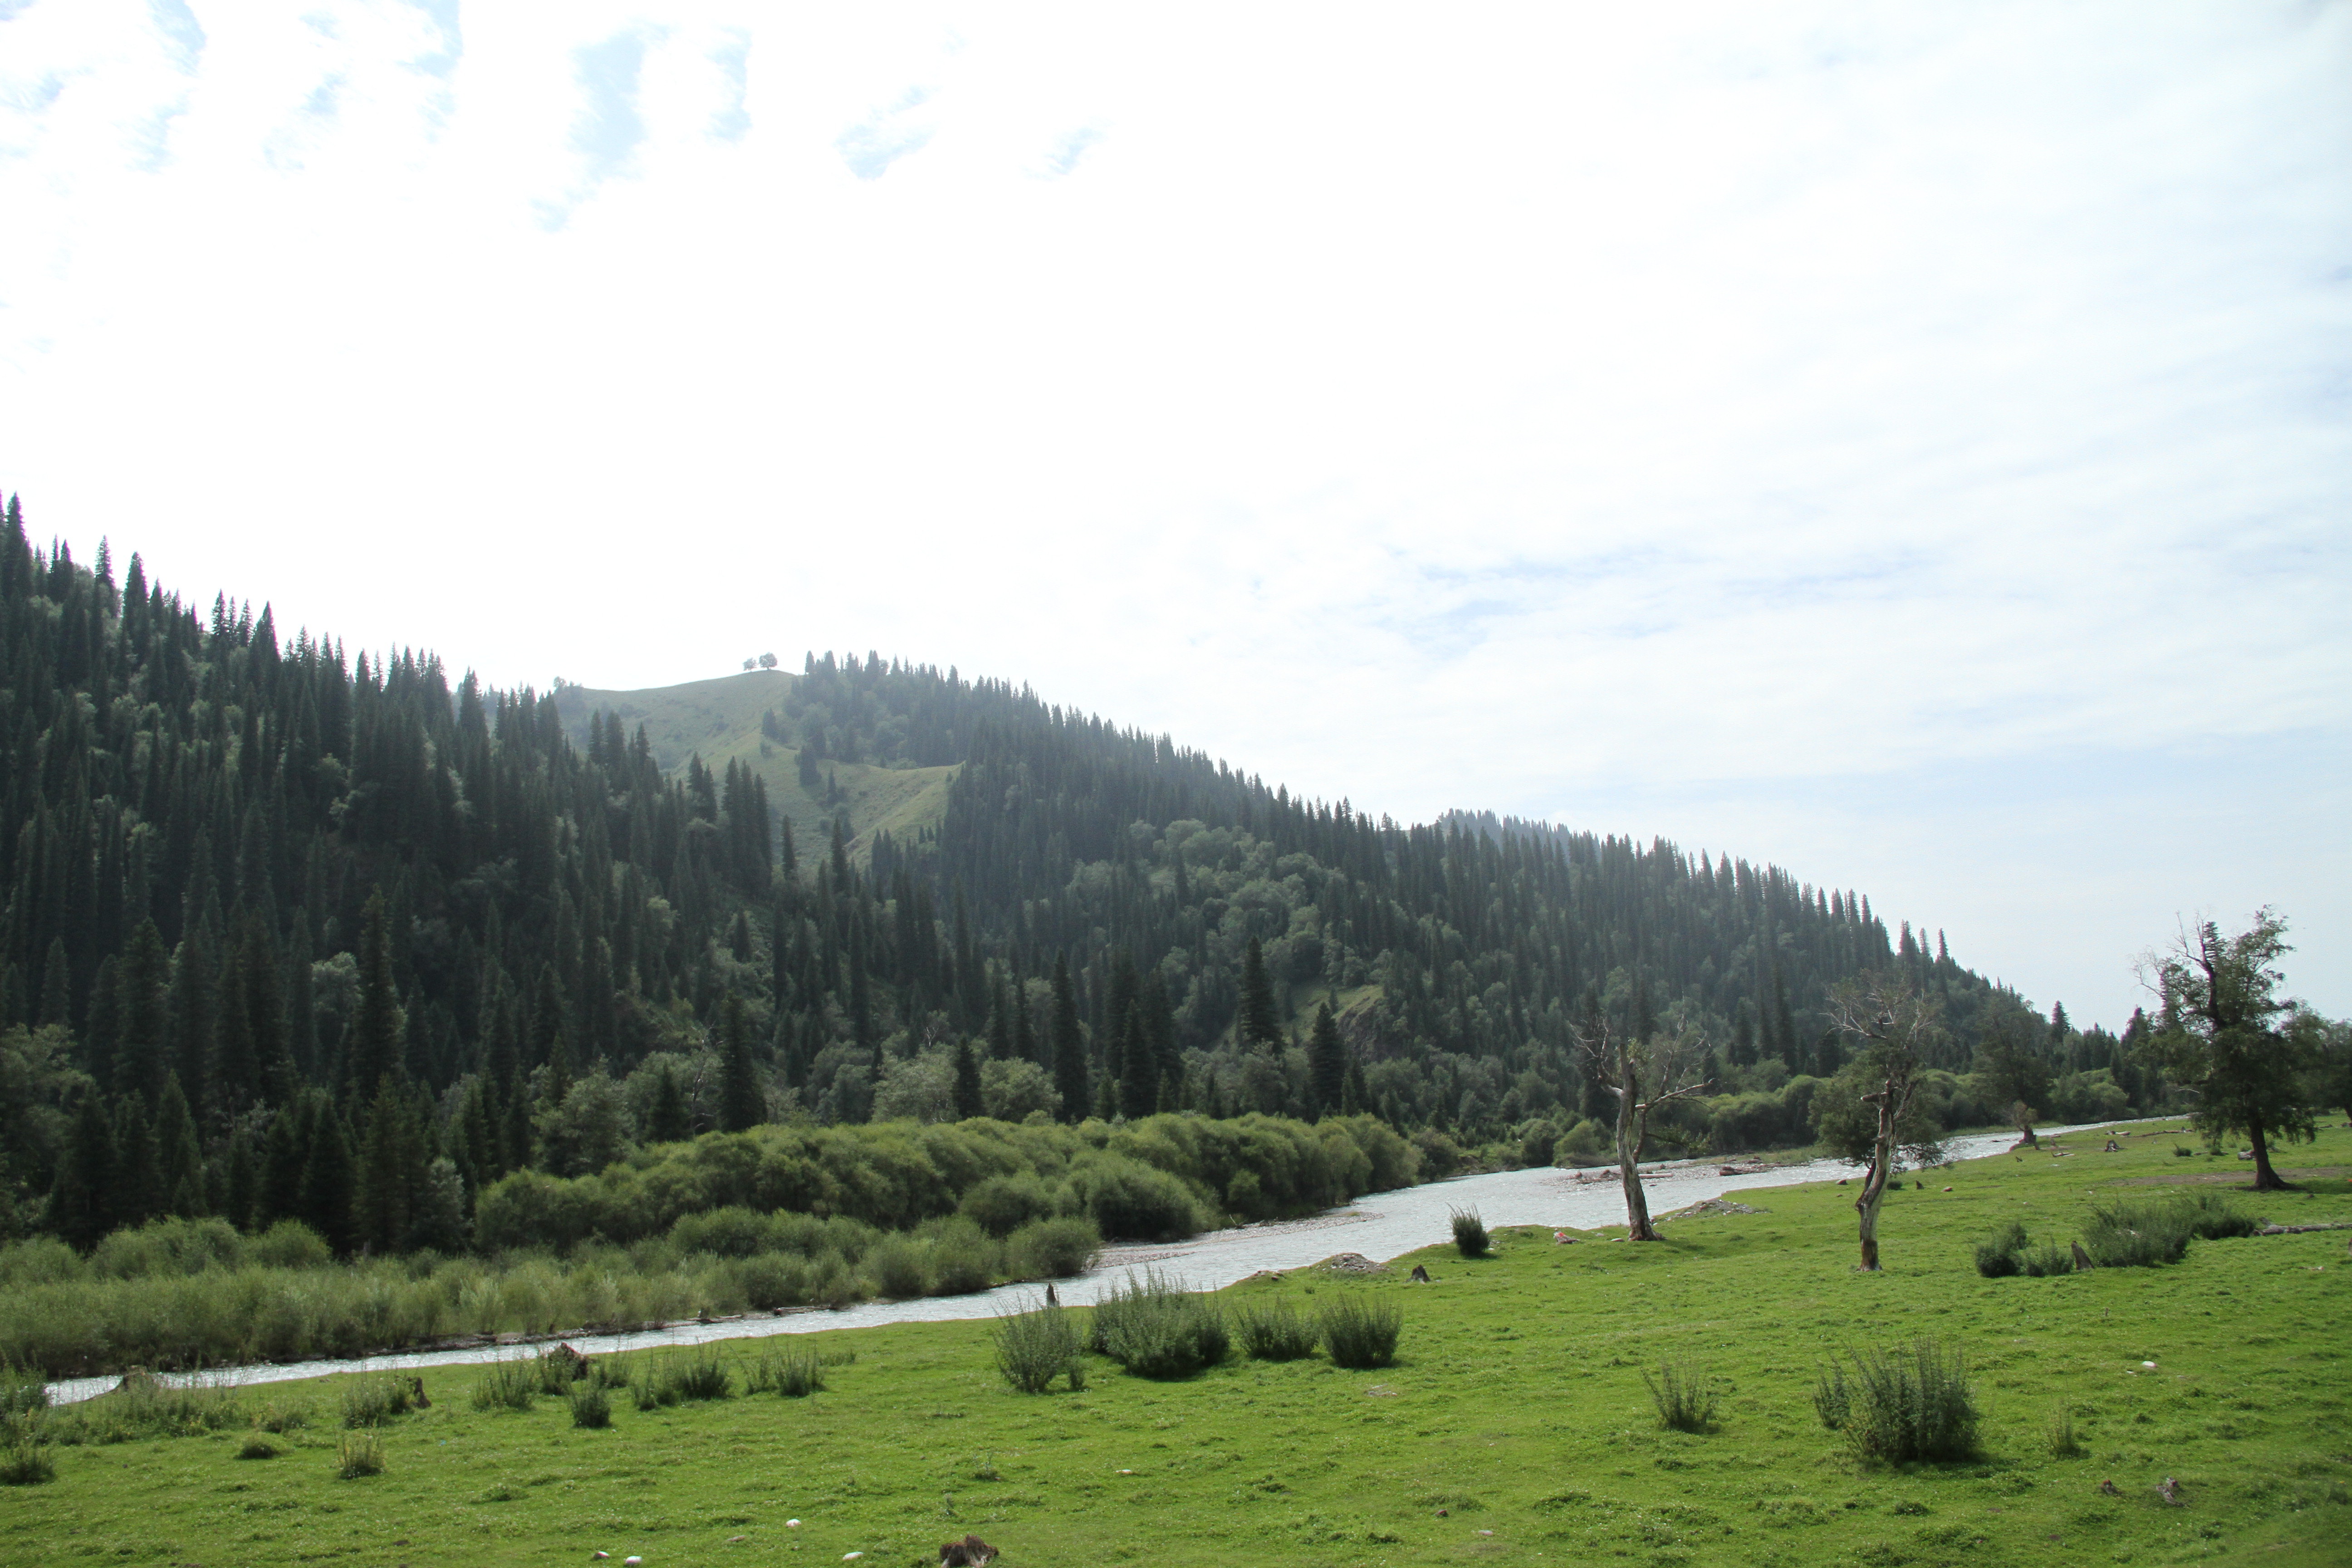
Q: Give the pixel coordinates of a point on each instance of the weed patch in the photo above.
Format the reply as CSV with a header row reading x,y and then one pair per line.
x,y
1360,1332
1272,1331
1684,1396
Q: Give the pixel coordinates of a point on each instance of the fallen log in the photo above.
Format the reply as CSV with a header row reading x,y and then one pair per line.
x,y
2300,1229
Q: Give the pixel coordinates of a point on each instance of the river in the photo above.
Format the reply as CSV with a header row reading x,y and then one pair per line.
x,y
1378,1225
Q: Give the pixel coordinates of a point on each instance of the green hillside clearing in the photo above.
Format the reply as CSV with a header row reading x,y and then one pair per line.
x,y
719,721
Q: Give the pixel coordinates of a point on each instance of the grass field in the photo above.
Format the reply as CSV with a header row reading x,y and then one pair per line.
x,y
1515,1426
719,721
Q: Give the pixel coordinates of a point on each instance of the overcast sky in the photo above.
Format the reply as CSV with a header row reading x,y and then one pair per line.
x,y
1912,445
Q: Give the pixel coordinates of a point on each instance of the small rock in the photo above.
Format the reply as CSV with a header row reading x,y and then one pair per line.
x,y
632,1562
792,1524
1127,1472
737,1540
1947,1189
2109,1489
2148,1366
851,1556
1485,1533
2169,1490
1442,1513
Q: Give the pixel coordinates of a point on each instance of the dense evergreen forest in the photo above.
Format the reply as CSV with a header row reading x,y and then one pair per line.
x,y
288,935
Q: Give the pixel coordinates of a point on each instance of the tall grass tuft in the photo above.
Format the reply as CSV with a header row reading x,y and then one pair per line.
x,y
1273,1331
2137,1235
1997,1255
25,1451
359,1454
592,1406
1833,1401
1684,1396
2048,1259
2064,1443
1911,1403
1469,1233
1034,1347
2212,1218
508,1384
1361,1332
373,1401
790,1371
675,1377
1155,1328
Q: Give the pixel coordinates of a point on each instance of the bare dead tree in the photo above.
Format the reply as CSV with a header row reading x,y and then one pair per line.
x,y
1896,1022
1637,1072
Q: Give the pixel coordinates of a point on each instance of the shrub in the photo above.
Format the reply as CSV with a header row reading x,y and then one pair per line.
x,y
1910,1404
1469,1233
2212,1218
2137,1235
508,1384
794,1374
772,1279
373,1401
359,1454
2182,1152
1997,1255
896,1265
1272,1331
22,1390
590,1406
699,1373
1034,1347
280,1416
964,1261
1060,1248
258,1448
24,1451
2045,1260
1361,1332
1684,1396
1154,1328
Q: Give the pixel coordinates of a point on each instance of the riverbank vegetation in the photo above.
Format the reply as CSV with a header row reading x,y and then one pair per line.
x,y
2187,1411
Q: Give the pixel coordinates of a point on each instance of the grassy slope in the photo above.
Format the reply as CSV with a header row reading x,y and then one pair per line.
x,y
719,720
1518,1407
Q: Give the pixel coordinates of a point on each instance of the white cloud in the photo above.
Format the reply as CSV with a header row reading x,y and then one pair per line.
x,y
1732,423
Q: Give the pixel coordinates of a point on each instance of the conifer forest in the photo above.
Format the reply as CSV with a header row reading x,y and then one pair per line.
x,y
293,938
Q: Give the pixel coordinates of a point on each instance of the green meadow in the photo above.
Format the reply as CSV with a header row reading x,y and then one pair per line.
x,y
1515,1424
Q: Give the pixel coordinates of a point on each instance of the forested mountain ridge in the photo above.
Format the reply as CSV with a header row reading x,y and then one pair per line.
x,y
289,934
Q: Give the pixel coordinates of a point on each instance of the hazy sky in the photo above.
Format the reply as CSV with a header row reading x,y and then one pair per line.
x,y
1910,444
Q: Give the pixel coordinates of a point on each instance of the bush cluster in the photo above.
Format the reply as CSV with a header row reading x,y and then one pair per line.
x,y
2128,1234
1899,1406
1037,1346
1153,1327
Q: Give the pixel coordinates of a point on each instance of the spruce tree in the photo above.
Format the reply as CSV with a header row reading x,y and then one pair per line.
x,y
1138,1067
146,981
666,1121
375,1041
179,1154
79,1211
1326,1064
278,1190
1260,1024
327,1181
742,1102
1070,1047
967,1081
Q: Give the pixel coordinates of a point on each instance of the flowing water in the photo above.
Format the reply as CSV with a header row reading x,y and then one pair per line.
x,y
1378,1225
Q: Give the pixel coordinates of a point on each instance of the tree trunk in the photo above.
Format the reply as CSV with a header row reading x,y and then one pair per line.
x,y
1874,1186
1629,1149
1867,1206
2266,1179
